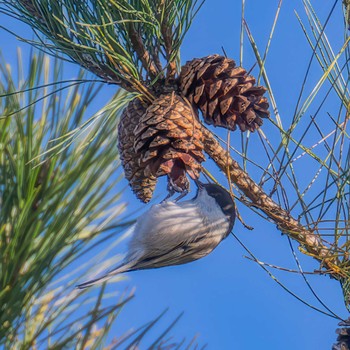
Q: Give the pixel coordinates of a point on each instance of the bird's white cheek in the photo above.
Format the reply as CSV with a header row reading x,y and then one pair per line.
x,y
220,228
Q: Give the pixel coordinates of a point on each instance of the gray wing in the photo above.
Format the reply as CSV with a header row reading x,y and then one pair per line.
x,y
174,233
166,226
168,234
183,253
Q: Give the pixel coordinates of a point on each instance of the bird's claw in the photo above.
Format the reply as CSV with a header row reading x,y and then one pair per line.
x,y
170,194
173,188
183,194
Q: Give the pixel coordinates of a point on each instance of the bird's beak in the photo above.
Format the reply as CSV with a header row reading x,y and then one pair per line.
x,y
199,184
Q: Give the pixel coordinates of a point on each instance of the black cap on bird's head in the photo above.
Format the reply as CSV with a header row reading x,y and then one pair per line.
x,y
223,198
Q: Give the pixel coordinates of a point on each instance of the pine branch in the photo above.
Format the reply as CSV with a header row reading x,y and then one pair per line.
x,y
310,242
168,42
123,42
141,52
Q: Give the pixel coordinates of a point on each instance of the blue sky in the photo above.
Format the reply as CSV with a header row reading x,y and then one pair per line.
x,y
228,300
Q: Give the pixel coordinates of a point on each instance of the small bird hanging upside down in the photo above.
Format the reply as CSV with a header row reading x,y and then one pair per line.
x,y
174,233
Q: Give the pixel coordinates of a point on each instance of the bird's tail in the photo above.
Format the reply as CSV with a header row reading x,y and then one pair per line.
x,y
124,267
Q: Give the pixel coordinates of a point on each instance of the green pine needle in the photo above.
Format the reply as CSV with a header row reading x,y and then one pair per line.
x,y
130,43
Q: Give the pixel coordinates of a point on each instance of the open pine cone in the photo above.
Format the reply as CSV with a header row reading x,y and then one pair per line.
x,y
224,93
164,139
142,186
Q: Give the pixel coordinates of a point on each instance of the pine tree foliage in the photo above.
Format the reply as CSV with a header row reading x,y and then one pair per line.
x,y
131,43
56,207
136,45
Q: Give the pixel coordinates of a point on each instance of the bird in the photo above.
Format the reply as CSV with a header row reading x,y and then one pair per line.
x,y
177,232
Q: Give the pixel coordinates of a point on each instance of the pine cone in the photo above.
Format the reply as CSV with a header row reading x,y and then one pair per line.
x,y
343,339
224,93
142,186
168,141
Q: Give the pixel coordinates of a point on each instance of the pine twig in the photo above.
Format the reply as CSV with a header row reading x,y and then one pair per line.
x,y
141,51
285,222
172,69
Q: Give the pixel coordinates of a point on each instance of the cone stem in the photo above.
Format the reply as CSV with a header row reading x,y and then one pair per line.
x,y
167,34
141,51
311,243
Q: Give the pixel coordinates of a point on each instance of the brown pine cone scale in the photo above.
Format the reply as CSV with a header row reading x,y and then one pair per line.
x,y
163,138
168,140
142,186
225,94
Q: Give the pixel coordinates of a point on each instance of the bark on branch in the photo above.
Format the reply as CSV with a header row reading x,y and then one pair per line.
x,y
309,240
141,51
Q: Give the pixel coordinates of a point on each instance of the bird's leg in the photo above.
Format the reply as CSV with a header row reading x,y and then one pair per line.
x,y
198,183
183,194
170,193
173,187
